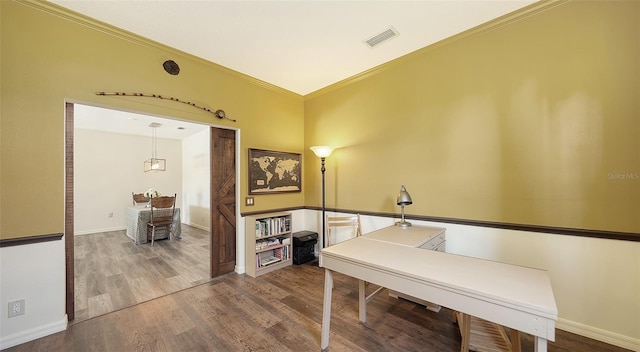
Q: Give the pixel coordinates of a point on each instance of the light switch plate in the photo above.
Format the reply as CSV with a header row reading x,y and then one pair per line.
x,y
248,201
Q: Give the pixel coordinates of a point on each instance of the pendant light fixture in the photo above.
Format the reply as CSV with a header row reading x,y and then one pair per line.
x,y
154,164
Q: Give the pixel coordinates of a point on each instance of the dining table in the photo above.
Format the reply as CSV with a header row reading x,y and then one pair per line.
x,y
137,218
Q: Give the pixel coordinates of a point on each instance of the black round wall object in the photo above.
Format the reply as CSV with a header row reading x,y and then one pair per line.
x,y
171,67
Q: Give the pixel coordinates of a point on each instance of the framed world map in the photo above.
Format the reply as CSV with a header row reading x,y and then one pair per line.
x,y
274,172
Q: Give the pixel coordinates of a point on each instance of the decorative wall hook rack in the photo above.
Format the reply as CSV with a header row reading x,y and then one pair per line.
x,y
218,113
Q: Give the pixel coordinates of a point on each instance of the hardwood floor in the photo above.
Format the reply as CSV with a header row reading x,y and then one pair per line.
x,y
279,311
112,273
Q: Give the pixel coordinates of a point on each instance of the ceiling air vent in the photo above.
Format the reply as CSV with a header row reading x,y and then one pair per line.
x,y
380,38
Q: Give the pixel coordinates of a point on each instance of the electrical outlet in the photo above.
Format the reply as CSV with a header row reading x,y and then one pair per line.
x,y
16,308
249,201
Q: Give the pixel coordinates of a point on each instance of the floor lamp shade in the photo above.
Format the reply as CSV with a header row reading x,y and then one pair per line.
x,y
322,151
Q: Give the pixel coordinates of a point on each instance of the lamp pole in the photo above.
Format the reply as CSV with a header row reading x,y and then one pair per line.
x,y
322,169
322,152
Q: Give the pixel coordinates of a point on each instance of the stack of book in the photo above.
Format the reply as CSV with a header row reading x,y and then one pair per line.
x,y
270,242
272,226
270,257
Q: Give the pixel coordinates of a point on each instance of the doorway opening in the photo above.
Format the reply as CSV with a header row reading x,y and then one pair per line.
x,y
99,181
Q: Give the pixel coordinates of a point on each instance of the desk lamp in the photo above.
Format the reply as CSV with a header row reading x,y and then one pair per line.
x,y
403,199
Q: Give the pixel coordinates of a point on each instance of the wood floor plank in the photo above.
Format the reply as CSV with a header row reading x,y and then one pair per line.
x,y
252,307
204,311
81,297
100,304
164,270
236,330
122,295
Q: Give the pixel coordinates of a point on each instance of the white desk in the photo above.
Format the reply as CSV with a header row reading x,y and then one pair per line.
x,y
425,237
137,219
517,297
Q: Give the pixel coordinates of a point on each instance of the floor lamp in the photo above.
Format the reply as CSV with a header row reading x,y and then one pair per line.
x,y
322,152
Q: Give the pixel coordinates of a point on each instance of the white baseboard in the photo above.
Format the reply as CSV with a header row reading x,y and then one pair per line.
x,y
88,232
203,228
598,334
240,269
33,334
120,228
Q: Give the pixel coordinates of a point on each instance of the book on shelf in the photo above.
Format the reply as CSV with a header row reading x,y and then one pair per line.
x,y
276,255
269,261
282,253
269,242
272,226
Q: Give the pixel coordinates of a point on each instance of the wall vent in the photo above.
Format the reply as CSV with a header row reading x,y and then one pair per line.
x,y
380,38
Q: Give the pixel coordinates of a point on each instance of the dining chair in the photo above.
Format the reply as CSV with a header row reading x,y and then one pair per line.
x,y
342,227
139,198
162,210
349,227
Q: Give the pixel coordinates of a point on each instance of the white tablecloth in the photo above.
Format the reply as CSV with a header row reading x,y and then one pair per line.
x,y
137,218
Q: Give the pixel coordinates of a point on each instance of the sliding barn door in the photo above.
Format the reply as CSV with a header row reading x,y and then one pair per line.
x,y
223,201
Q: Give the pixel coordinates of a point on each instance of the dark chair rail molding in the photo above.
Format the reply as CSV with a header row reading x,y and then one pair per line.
x,y
19,241
250,213
612,235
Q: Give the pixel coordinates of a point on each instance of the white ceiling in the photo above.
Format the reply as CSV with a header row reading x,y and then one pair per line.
x,y
101,119
298,45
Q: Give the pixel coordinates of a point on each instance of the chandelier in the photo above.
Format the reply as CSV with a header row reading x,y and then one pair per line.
x,y
154,164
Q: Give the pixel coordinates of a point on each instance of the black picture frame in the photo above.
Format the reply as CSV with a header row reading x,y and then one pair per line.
x,y
274,172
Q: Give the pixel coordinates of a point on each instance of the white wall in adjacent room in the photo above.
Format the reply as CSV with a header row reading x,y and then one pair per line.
x,y
196,180
108,167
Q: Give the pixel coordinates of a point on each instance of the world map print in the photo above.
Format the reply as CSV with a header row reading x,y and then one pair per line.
x,y
271,171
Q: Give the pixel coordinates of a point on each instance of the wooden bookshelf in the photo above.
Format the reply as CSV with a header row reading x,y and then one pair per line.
x,y
268,242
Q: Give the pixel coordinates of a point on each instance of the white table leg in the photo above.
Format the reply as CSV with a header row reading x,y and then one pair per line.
x,y
540,344
362,301
326,309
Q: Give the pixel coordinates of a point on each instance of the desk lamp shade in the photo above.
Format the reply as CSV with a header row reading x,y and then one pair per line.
x,y
403,199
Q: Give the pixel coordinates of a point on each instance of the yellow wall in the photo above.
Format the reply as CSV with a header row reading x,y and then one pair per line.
x,y
532,122
48,57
